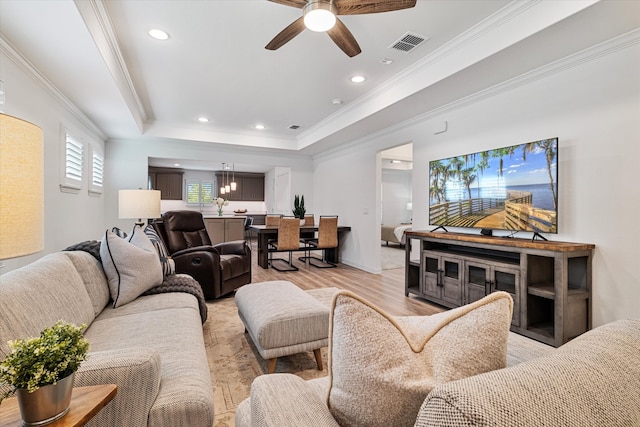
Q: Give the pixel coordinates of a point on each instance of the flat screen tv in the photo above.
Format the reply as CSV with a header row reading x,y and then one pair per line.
x,y
510,188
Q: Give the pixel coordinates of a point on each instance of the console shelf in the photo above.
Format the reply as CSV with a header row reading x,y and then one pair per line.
x,y
550,282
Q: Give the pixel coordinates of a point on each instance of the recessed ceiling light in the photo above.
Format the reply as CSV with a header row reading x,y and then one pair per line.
x,y
203,120
358,79
176,164
386,61
158,34
395,161
259,127
336,101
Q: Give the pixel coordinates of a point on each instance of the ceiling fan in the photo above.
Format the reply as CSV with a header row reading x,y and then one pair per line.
x,y
320,15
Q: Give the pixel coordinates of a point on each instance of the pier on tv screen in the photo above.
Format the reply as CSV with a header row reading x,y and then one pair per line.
x,y
509,188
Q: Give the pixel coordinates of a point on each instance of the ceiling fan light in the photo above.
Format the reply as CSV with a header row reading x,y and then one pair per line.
x,y
319,16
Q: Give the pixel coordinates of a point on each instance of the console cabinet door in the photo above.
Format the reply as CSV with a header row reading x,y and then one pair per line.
x,y
476,282
483,278
442,278
431,275
451,280
508,279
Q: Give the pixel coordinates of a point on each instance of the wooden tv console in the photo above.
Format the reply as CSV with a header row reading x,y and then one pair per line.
x,y
550,282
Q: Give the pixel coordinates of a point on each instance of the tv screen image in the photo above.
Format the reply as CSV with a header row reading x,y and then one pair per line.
x,y
509,188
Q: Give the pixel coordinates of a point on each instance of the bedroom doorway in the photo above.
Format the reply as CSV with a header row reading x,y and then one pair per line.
x,y
396,206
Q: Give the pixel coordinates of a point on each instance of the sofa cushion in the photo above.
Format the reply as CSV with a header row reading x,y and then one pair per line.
x,y
92,275
36,296
593,380
381,368
132,266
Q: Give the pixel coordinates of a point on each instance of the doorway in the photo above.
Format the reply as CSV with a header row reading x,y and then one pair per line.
x,y
396,192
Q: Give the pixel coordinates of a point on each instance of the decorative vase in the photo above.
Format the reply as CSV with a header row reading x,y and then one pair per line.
x,y
219,212
46,404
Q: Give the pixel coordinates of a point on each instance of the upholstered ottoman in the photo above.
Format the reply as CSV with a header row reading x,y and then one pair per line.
x,y
282,319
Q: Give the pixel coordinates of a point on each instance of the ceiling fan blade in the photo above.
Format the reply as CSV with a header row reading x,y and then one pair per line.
x,y
341,36
358,7
292,3
286,35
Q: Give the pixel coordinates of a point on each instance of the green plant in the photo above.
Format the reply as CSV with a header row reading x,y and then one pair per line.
x,y
298,207
36,362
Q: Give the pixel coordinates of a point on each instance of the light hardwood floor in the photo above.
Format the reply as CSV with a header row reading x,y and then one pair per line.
x,y
385,290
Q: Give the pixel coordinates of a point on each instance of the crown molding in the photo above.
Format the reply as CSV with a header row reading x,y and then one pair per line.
x,y
25,65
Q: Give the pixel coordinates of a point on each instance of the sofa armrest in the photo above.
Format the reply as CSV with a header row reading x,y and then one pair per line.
x,y
203,264
234,247
136,371
283,400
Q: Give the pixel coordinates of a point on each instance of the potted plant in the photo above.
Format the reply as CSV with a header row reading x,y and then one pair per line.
x,y
298,208
41,370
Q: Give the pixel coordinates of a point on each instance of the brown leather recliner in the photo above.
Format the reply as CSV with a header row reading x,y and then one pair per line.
x,y
219,269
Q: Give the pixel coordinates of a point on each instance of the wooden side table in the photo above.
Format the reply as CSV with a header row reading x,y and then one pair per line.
x,y
86,402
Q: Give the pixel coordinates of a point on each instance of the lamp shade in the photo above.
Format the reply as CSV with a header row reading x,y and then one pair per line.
x,y
138,204
21,188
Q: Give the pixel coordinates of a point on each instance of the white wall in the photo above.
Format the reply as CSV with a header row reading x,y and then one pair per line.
x,y
396,193
69,218
594,109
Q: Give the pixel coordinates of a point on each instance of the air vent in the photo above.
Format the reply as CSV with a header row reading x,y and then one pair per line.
x,y
294,127
408,42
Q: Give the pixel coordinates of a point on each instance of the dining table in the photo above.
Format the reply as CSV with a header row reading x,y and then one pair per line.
x,y
265,234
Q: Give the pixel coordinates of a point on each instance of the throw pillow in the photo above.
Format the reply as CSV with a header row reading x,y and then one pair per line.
x,y
168,265
381,368
131,266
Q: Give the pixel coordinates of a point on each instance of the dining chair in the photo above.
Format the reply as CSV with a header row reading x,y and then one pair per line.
x,y
272,220
305,236
327,239
248,222
288,241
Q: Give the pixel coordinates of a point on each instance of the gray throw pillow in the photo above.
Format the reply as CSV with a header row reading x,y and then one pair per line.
x,y
132,266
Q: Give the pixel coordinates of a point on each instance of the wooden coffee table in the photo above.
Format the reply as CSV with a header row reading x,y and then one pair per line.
x,y
85,403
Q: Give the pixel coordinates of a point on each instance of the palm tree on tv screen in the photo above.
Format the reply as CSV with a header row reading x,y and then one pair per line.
x,y
549,146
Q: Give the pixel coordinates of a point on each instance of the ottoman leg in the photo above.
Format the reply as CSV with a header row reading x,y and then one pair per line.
x,y
318,355
272,365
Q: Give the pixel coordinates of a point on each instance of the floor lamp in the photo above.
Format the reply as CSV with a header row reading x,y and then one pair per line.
x,y
21,188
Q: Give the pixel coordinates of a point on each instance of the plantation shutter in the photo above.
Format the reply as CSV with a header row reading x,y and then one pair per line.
x,y
73,159
97,172
193,191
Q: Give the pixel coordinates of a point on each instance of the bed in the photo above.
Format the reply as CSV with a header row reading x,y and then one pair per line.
x,y
394,233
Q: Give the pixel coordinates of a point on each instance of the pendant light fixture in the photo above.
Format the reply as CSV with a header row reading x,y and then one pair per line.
x,y
234,185
223,190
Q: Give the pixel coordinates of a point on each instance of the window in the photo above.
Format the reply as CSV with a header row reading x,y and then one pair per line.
x,y
199,192
72,175
97,172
